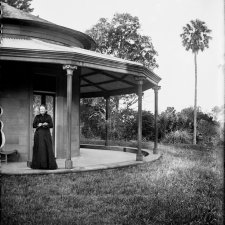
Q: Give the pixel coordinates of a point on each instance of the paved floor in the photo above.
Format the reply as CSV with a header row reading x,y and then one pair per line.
x,y
90,159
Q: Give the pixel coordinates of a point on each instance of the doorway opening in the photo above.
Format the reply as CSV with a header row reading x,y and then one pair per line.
x,y
47,99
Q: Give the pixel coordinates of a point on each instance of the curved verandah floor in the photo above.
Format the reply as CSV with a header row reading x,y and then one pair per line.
x,y
89,160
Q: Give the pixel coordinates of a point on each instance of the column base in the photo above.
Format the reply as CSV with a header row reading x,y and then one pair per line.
x,y
139,157
68,164
155,151
29,164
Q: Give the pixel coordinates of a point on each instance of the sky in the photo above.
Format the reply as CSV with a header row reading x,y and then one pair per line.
x,y
162,20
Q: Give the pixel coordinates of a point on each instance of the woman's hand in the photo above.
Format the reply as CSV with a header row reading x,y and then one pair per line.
x,y
40,124
45,124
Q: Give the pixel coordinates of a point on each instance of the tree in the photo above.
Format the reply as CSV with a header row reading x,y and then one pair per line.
x,y
93,117
195,38
148,126
218,113
168,121
120,38
24,5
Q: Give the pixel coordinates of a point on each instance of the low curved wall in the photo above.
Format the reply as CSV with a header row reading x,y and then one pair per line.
x,y
114,148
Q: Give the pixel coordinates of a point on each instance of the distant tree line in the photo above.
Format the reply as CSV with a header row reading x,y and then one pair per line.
x,y
24,5
174,127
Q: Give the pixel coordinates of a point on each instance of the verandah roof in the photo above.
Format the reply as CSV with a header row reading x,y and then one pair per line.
x,y
101,74
28,38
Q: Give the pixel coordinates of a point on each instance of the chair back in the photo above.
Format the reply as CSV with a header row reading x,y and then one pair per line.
x,y
2,135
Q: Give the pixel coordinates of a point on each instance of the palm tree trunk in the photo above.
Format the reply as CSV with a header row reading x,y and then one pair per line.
x,y
195,103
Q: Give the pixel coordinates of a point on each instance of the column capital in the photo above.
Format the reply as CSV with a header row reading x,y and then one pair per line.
x,y
139,79
156,88
69,69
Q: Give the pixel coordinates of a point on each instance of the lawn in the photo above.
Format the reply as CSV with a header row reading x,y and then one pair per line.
x,y
184,187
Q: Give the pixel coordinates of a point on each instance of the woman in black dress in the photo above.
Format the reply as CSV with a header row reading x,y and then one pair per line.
x,y
43,156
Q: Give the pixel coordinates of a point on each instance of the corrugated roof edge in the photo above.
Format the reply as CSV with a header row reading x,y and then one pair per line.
x,y
12,12
9,13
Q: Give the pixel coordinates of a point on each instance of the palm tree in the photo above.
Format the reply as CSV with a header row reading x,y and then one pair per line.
x,y
195,38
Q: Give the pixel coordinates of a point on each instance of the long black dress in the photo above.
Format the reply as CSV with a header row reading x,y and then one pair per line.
x,y
43,156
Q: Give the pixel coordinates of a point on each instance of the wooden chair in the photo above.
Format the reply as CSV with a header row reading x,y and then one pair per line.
x,y
6,153
2,143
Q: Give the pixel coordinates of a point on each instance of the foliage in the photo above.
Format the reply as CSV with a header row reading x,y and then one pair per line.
x,y
210,131
217,113
93,117
148,126
184,187
195,36
125,127
174,127
185,119
120,37
178,137
127,101
24,5
167,121
123,122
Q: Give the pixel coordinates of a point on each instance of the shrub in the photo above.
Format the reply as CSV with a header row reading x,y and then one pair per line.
x,y
210,131
178,137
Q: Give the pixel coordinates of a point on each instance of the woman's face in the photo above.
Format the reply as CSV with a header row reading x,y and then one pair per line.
x,y
42,110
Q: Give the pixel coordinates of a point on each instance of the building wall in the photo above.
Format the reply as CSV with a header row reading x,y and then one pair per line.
x,y
14,99
16,90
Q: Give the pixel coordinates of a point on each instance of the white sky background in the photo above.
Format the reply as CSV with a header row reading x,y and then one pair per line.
x,y
162,20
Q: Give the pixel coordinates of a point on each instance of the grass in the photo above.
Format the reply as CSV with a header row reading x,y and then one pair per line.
x,y
184,187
